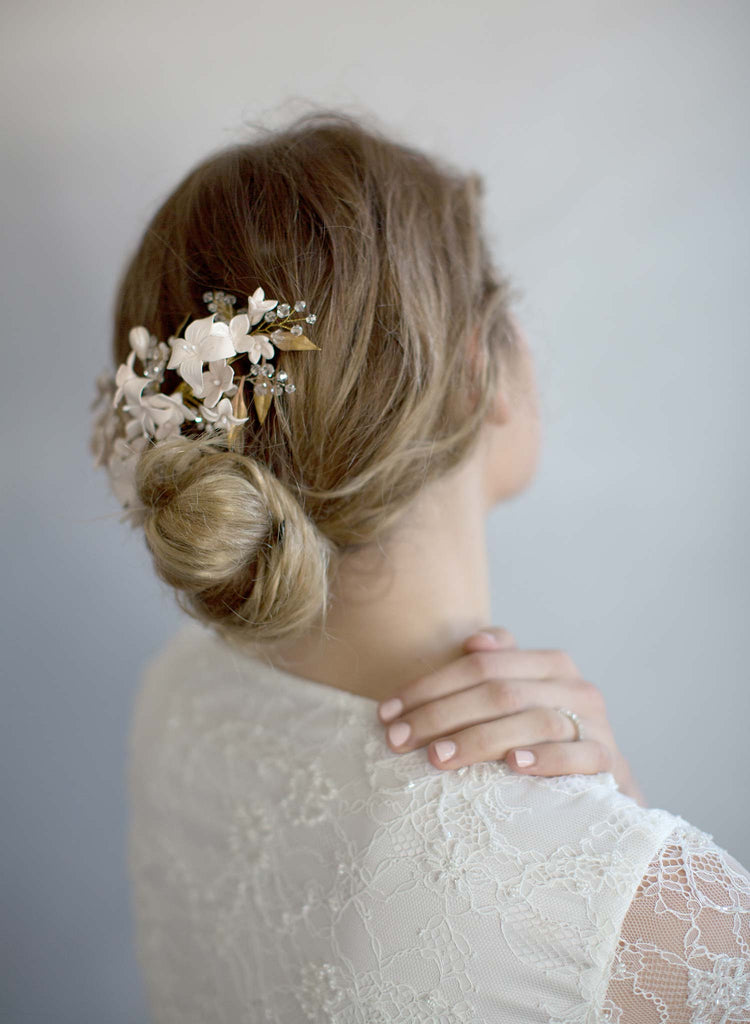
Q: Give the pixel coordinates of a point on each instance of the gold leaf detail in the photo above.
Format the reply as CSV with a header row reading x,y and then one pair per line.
x,y
293,343
262,404
239,409
234,432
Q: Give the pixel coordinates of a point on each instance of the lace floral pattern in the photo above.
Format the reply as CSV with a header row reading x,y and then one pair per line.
x,y
286,866
684,949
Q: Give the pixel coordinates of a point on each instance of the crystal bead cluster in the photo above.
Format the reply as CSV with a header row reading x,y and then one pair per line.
x,y
237,345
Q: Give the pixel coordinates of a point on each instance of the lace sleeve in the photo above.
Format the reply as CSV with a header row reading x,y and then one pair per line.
x,y
683,955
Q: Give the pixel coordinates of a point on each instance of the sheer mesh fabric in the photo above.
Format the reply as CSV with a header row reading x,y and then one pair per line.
x,y
683,955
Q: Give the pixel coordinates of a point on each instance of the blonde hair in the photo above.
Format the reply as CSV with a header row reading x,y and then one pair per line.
x,y
385,245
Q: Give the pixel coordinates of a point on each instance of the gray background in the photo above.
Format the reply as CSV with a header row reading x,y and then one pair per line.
x,y
613,137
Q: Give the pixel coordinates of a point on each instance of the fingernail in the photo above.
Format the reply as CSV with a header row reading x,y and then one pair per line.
x,y
390,708
399,733
524,758
488,636
445,749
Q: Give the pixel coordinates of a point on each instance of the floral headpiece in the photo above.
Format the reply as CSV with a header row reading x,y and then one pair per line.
x,y
137,409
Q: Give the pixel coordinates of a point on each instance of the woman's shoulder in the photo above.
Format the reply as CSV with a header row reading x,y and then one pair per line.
x,y
274,730
570,827
528,878
197,684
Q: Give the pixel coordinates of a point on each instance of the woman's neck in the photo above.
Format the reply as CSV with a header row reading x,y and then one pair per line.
x,y
403,611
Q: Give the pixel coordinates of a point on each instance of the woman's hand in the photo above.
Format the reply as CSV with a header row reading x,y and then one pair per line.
x,y
497,702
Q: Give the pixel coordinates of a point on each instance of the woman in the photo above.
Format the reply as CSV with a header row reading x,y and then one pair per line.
x,y
313,470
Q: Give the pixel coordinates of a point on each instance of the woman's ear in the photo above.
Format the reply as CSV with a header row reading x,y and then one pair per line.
x,y
499,410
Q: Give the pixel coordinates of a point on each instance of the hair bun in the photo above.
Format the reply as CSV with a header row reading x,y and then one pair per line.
x,y
232,539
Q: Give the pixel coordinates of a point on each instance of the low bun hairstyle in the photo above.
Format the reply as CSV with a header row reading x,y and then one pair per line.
x,y
414,330
228,533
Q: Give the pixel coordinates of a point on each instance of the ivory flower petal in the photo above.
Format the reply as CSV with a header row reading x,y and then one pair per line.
x,y
164,414
122,465
260,345
134,429
217,343
191,371
258,305
218,380
222,416
140,342
204,340
238,327
128,382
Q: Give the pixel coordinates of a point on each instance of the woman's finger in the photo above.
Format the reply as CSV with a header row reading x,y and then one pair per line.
x,y
586,757
492,740
490,639
493,700
477,667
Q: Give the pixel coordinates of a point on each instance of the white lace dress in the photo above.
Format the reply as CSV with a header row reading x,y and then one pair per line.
x,y
287,867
